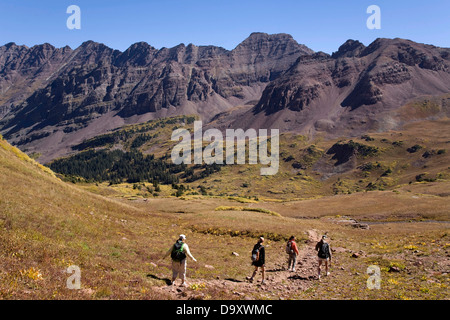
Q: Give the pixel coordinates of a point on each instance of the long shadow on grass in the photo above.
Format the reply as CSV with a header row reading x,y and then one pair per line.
x,y
166,280
233,280
297,277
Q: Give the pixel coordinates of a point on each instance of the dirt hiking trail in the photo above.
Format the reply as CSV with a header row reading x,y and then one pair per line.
x,y
279,284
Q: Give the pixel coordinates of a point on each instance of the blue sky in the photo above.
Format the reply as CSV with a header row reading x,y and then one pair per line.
x,y
321,25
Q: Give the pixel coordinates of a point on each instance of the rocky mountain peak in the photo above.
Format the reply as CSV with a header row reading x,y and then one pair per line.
x,y
47,90
139,54
10,45
271,44
351,48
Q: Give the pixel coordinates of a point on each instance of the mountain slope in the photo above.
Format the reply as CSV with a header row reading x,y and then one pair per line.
x,y
47,225
79,94
24,70
356,89
97,89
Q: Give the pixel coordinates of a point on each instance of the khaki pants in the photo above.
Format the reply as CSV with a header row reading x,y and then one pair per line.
x,y
179,269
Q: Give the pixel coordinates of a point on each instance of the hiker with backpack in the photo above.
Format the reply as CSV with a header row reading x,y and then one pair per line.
x,y
178,252
324,254
258,259
292,251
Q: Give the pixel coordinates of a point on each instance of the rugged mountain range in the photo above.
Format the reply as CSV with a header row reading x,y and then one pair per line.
x,y
52,99
354,90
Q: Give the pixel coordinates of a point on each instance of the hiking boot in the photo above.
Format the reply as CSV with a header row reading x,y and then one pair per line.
x,y
249,279
293,270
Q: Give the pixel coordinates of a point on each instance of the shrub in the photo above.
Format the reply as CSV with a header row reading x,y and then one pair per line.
x,y
428,154
262,210
371,187
298,165
32,273
367,138
422,177
344,151
203,190
216,231
387,172
369,166
414,148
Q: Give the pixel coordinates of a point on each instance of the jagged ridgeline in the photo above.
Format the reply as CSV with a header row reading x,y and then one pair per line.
x,y
125,155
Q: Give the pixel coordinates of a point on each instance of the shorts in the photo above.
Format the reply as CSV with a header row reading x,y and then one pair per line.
x,y
179,269
323,259
258,263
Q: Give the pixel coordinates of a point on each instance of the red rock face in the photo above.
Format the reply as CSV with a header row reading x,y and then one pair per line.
x,y
75,86
23,70
59,97
352,89
365,70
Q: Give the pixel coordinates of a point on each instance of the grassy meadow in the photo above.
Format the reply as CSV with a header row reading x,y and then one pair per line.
x,y
117,234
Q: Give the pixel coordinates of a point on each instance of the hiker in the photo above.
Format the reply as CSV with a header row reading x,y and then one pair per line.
x,y
324,254
292,251
258,259
178,253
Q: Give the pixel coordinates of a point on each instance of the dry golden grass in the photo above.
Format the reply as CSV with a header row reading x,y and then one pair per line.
x,y
47,225
415,201
315,181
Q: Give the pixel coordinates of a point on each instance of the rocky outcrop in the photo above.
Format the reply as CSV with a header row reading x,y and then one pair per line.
x,y
23,70
367,71
351,48
354,90
54,98
94,80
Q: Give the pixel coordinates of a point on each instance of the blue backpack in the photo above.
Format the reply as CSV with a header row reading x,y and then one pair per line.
x,y
255,254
